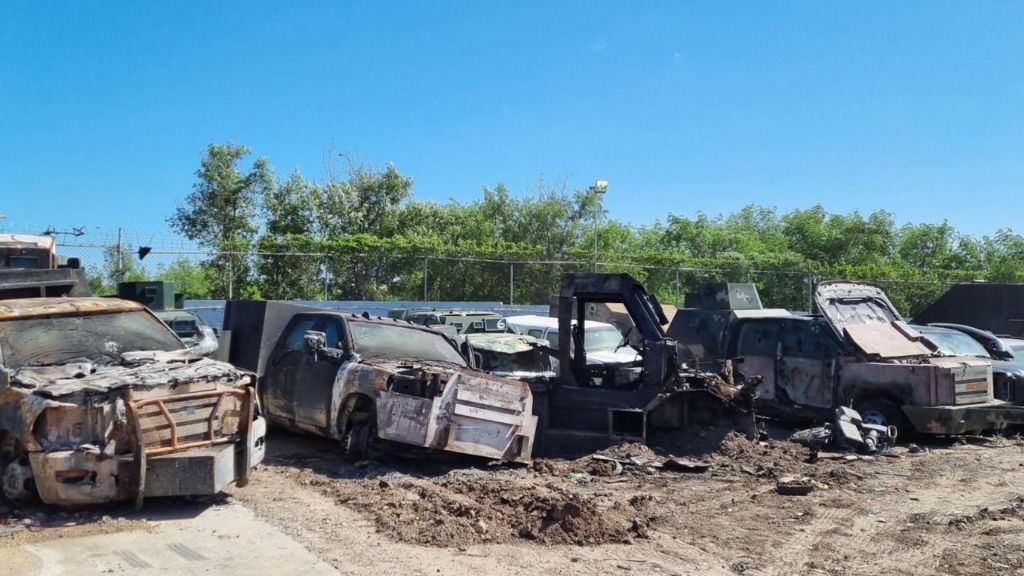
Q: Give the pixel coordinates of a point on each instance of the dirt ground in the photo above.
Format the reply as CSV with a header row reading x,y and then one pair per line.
x,y
955,509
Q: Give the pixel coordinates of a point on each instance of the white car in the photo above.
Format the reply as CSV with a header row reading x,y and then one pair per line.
x,y
604,342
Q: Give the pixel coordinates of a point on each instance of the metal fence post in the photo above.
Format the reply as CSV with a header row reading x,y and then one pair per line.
x,y
677,286
511,282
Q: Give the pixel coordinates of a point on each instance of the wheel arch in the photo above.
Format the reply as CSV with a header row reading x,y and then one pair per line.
x,y
354,406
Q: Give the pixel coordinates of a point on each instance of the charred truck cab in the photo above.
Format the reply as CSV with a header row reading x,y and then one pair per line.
x,y
101,402
652,393
858,352
357,379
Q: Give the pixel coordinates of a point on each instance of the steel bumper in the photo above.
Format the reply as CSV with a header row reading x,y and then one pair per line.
x,y
951,420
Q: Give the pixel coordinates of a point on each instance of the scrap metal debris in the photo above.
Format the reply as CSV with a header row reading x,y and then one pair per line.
x,y
640,462
793,486
848,432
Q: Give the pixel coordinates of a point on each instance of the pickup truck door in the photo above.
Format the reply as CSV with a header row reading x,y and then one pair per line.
x,y
297,384
314,383
804,369
758,345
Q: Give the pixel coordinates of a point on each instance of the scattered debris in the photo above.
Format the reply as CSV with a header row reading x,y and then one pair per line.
x,y
848,432
792,486
684,465
642,462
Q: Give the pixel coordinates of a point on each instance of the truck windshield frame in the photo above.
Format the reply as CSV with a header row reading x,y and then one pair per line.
x,y
380,341
954,343
100,338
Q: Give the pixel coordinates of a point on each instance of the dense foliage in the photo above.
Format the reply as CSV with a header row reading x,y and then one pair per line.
x,y
366,237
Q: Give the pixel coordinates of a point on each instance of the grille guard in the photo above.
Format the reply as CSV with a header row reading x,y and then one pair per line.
x,y
141,451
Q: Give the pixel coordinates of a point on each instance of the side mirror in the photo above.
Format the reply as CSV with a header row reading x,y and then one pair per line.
x,y
315,341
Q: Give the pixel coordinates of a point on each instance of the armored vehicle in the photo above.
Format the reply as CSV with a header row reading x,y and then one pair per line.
x,y
463,321
359,379
169,306
653,392
100,401
858,352
997,308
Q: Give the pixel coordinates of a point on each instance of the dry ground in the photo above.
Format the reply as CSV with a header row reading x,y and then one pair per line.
x,y
956,509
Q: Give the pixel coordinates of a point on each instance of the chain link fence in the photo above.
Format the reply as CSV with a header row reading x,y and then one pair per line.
x,y
395,277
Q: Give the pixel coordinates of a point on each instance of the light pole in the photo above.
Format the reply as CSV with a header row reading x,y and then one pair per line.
x,y
599,189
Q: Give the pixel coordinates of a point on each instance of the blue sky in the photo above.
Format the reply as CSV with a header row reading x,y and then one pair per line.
x,y
914,107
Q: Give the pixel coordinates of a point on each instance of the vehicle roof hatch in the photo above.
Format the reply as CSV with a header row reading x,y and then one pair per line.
x,y
863,314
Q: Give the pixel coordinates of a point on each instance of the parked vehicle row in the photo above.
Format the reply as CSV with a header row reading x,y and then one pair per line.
x,y
105,399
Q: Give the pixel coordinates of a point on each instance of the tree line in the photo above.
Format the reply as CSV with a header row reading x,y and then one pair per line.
x,y
364,236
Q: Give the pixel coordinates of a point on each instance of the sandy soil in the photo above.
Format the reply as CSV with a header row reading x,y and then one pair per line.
x,y
956,509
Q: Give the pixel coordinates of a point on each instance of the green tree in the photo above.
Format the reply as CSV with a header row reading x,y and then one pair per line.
x,y
220,214
368,203
290,209
195,281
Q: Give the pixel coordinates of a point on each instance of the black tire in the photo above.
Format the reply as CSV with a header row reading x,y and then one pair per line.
x,y
885,413
358,439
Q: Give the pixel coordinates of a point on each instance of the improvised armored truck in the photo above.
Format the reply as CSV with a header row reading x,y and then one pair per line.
x,y
650,393
100,401
357,379
858,352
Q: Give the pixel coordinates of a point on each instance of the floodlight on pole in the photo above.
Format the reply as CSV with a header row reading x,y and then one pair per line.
x,y
599,189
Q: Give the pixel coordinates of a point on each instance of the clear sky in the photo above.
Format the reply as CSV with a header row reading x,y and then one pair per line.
x,y
914,107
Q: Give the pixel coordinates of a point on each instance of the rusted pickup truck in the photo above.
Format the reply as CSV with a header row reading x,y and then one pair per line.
x,y
100,401
357,379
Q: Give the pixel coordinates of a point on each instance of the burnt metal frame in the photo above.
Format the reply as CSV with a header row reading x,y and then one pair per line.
x,y
141,453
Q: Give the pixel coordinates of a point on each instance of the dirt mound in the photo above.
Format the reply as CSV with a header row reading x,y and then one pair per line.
x,y
1014,511
767,459
452,512
627,450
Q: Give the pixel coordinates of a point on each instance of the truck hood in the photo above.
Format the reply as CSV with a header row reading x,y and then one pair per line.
x,y
138,370
624,355
862,314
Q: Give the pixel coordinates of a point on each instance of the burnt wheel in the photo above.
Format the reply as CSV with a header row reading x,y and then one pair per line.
x,y
359,437
883,413
16,481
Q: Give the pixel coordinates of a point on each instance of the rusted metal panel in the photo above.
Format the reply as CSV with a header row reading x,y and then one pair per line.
x,y
403,418
886,341
81,477
38,307
206,470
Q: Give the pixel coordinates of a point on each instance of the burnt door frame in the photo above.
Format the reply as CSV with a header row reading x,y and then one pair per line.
x,y
804,374
299,384
315,380
766,368
279,378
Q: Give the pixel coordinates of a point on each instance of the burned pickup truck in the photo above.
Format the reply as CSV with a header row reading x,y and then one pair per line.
x,y
358,379
100,402
858,352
